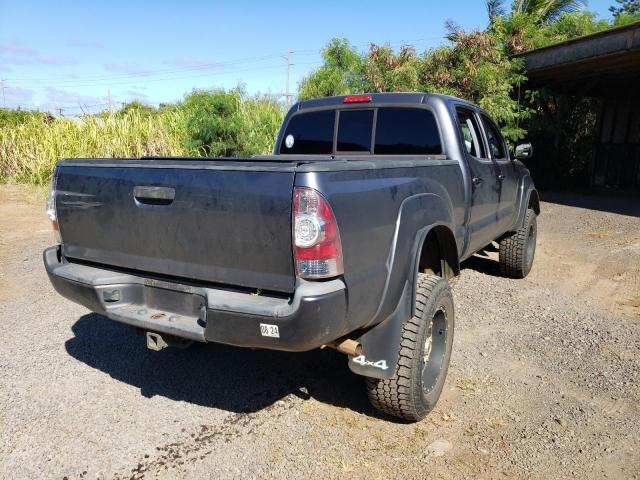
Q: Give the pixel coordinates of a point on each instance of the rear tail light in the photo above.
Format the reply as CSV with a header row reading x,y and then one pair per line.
x,y
52,211
317,249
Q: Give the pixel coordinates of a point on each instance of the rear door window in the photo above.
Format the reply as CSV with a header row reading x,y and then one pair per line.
x,y
494,139
406,131
354,131
309,133
470,133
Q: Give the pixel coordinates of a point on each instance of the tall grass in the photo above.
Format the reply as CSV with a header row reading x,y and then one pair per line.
x,y
260,121
30,150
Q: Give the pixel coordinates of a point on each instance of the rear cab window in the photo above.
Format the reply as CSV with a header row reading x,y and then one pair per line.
x,y
378,131
309,133
407,131
354,131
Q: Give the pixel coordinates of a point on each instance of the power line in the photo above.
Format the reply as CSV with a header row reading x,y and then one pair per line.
x,y
70,82
142,77
146,73
149,80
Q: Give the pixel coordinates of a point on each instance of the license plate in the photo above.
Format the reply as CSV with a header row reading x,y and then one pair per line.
x,y
267,330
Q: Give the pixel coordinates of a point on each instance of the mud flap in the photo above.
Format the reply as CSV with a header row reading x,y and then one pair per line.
x,y
381,344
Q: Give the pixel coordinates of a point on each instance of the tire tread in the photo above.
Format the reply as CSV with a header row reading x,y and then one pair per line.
x,y
393,396
512,251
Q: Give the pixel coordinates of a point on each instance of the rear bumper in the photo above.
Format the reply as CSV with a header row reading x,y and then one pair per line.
x,y
313,316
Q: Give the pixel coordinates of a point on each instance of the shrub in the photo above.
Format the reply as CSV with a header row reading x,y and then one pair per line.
x,y
473,66
206,123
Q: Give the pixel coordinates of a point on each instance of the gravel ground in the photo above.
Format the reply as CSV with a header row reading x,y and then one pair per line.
x,y
544,380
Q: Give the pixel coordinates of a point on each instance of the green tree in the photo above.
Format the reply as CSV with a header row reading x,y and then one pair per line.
x,y
495,8
475,67
210,121
228,123
520,32
12,118
341,73
386,71
540,11
138,106
631,7
472,66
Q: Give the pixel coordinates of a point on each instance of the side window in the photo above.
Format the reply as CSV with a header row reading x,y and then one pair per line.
x,y
309,133
354,130
470,133
494,139
406,131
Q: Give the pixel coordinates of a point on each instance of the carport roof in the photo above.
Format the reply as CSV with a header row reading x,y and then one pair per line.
x,y
603,64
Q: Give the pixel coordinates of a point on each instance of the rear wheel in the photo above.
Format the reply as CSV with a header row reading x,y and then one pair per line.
x,y
517,250
425,351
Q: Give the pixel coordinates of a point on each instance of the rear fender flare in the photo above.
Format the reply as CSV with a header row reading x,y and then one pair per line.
x,y
527,194
381,344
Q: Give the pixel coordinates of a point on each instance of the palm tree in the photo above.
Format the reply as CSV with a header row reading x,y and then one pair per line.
x,y
495,8
543,11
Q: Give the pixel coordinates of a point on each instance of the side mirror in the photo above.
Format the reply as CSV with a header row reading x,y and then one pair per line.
x,y
523,151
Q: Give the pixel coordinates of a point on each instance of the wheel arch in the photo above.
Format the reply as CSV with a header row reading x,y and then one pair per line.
x,y
383,340
528,197
534,201
438,252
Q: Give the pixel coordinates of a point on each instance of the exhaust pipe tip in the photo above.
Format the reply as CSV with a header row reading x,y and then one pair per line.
x,y
155,341
349,347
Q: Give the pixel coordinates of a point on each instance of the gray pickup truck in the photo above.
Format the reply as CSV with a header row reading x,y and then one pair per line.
x,y
346,237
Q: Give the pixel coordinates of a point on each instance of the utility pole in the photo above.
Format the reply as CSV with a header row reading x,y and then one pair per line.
x,y
4,100
109,95
287,94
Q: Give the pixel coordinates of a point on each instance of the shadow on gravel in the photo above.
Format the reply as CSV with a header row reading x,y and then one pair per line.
x,y
229,378
613,202
485,265
481,262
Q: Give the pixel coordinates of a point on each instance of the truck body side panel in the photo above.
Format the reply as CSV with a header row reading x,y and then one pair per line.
x,y
379,212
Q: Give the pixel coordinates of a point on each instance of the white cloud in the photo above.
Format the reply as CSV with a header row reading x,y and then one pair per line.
x,y
138,95
18,97
14,53
77,43
191,62
128,68
15,48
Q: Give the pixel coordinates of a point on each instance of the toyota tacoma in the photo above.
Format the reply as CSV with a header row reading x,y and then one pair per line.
x,y
346,237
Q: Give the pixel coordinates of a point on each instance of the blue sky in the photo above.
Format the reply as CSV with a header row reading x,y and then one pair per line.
x,y
71,54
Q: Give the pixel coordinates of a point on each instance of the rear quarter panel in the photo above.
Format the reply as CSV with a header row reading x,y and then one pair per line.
x,y
380,207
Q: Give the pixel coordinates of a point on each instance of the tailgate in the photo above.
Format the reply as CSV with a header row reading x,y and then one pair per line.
x,y
215,222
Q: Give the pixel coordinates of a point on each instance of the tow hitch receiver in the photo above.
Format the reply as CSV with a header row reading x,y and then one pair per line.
x,y
157,342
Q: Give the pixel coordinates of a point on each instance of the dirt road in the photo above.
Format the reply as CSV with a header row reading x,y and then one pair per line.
x,y
544,381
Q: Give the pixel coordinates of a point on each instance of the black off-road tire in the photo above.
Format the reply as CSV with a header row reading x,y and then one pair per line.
x,y
517,250
416,385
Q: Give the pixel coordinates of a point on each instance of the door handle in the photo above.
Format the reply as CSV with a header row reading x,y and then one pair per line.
x,y
477,180
154,195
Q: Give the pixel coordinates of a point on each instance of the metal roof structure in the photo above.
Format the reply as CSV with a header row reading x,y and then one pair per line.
x,y
604,64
